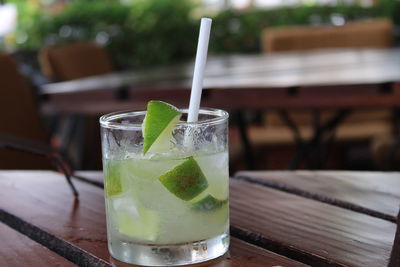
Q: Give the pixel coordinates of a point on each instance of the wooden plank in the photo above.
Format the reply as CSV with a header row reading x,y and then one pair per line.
x,y
18,250
244,254
43,199
374,193
306,230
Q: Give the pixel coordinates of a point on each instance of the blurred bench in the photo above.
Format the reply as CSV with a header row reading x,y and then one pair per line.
x,y
74,61
364,34
69,62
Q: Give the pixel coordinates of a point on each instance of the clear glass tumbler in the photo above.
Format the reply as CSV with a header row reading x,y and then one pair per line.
x,y
153,219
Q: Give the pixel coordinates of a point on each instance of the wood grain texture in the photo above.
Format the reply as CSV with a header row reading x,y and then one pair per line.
x,y
243,254
316,233
376,191
18,250
62,247
43,199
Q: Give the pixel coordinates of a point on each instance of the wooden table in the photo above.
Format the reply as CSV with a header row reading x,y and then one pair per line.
x,y
277,219
339,78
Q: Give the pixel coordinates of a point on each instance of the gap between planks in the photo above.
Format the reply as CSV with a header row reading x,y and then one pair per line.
x,y
281,249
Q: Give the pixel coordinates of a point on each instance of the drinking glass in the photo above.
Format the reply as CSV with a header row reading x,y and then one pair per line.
x,y
156,223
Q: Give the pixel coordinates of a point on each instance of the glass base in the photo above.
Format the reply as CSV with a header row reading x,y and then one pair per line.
x,y
164,255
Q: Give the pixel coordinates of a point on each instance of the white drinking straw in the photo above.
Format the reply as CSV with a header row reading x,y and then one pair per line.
x,y
199,66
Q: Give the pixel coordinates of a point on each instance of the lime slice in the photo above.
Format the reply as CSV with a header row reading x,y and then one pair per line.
x,y
186,180
112,177
158,124
208,203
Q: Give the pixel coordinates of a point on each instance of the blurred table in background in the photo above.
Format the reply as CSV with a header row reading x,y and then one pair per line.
x,y
336,79
294,80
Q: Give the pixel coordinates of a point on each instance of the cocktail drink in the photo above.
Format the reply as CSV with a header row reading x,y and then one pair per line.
x,y
166,185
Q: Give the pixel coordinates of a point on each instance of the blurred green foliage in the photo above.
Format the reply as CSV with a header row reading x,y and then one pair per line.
x,y
147,32
28,15
240,32
154,32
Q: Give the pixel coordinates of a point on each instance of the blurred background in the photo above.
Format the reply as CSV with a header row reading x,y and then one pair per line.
x,y
137,33
141,34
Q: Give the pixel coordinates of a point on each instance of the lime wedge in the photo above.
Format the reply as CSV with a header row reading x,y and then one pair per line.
x,y
208,203
186,180
112,177
157,126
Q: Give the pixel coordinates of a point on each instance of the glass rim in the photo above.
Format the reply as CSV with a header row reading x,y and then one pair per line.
x,y
106,121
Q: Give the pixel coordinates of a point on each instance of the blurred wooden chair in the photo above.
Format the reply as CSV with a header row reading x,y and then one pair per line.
x,y
361,125
376,33
74,61
20,117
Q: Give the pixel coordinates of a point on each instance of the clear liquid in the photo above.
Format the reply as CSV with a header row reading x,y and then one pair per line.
x,y
148,225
